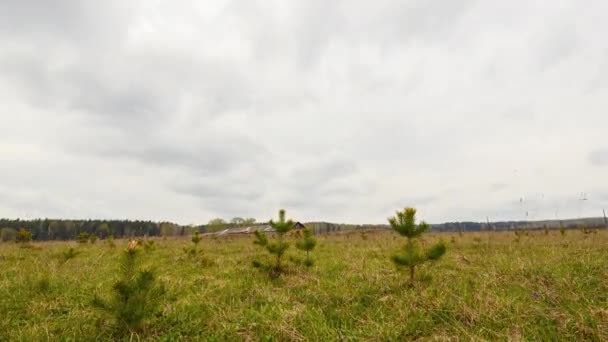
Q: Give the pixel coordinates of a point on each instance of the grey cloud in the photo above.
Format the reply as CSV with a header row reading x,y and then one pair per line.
x,y
206,156
311,175
558,47
212,191
495,187
84,22
415,201
599,157
119,94
599,81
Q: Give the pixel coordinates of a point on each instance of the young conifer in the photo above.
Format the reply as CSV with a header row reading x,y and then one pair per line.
x,y
83,238
278,245
307,243
196,239
110,241
404,223
135,296
68,254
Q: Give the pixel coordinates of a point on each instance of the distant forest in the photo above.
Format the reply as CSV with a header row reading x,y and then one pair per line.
x,y
57,229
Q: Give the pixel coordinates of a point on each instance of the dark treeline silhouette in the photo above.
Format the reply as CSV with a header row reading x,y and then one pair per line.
x,y
51,229
592,222
60,229
469,226
64,229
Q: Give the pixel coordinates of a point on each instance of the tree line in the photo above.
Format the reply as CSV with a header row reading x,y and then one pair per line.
x,y
62,229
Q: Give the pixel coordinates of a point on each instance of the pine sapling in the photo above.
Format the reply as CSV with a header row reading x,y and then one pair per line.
x,y
110,241
404,223
136,296
196,239
307,243
278,245
149,245
83,238
69,254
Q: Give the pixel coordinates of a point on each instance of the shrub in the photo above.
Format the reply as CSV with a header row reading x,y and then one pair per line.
x,y
307,243
83,237
278,245
8,234
404,223
136,296
92,238
24,236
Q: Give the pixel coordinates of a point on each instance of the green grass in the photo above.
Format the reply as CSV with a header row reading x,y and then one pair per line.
x,y
488,287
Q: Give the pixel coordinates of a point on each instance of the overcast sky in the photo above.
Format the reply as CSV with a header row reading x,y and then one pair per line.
x,y
334,110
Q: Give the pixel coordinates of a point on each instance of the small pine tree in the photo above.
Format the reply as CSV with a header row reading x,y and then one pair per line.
x,y
93,239
24,236
83,237
136,294
404,223
277,246
149,245
196,238
307,243
68,254
110,241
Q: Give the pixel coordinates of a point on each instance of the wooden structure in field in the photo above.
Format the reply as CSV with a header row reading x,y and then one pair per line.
x,y
249,230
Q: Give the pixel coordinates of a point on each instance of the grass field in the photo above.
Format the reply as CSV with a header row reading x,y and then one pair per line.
x,y
489,286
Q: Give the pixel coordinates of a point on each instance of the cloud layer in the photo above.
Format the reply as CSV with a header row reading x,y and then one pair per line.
x,y
341,111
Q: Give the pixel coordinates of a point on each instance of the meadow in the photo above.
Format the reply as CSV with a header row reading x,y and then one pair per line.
x,y
489,286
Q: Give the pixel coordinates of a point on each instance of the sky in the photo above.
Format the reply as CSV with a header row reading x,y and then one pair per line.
x,y
341,111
